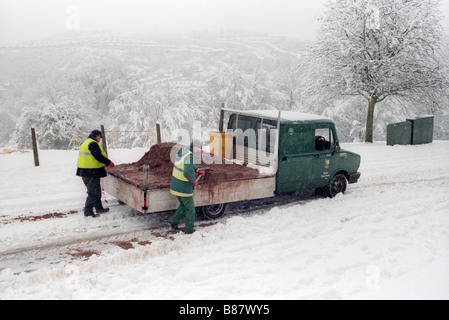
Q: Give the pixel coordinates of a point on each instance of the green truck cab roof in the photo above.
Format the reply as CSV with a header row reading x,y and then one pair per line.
x,y
288,117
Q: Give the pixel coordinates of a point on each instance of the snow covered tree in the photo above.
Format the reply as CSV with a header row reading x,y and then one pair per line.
x,y
104,74
8,117
56,108
227,85
141,108
260,90
285,90
378,49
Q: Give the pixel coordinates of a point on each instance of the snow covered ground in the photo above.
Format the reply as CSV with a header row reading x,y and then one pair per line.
x,y
386,238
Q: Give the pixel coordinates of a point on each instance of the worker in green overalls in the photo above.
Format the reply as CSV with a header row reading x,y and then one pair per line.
x,y
182,186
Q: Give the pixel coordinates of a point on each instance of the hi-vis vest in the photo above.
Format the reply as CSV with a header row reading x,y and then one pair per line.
x,y
178,170
86,160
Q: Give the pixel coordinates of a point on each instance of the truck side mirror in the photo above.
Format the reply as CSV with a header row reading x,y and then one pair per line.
x,y
337,146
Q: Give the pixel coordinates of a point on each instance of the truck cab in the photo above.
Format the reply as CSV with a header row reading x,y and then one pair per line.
x,y
305,147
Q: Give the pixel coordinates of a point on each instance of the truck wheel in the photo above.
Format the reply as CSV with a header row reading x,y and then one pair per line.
x,y
338,185
213,212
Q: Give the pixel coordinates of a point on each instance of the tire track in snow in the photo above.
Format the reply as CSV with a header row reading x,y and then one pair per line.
x,y
160,220
29,257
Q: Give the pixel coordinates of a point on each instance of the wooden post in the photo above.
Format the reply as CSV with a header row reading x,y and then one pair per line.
x,y
158,131
221,124
104,143
35,151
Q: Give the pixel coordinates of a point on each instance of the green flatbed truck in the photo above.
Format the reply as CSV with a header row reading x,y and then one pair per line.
x,y
300,152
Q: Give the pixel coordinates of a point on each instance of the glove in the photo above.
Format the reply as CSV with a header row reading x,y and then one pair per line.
x,y
111,165
195,184
201,172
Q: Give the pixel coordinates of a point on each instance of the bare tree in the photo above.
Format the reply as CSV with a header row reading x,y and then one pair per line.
x,y
379,49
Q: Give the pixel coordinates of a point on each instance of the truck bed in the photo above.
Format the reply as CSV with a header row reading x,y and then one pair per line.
x,y
160,199
223,183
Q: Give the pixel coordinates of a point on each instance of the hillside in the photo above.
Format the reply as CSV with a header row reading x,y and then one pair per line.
x,y
148,58
75,82
94,70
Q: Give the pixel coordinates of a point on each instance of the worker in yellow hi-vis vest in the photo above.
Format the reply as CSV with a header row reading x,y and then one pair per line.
x,y
91,167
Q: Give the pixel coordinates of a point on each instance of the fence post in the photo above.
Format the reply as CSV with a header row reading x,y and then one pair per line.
x,y
35,151
158,130
221,124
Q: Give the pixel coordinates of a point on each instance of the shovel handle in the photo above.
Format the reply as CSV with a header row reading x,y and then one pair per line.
x,y
199,178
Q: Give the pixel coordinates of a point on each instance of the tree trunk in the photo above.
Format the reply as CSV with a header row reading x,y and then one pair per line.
x,y
370,120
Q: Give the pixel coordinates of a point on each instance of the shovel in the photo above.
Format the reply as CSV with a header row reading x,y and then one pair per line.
x,y
206,171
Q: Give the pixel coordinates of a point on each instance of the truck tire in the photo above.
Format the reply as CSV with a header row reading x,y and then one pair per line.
x,y
213,212
337,185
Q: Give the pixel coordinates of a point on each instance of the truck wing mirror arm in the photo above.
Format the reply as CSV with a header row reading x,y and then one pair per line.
x,y
336,147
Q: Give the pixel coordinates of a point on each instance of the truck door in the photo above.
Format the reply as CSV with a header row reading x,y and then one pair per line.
x,y
295,159
325,159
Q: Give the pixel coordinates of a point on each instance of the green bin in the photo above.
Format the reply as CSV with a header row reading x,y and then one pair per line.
x,y
399,133
422,132
414,131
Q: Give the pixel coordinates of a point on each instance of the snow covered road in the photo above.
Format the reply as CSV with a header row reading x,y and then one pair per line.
x,y
387,237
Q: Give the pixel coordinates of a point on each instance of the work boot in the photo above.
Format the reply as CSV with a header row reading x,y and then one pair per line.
x,y
102,210
174,226
91,214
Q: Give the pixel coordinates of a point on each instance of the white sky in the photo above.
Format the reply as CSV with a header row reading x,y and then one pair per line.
x,y
24,20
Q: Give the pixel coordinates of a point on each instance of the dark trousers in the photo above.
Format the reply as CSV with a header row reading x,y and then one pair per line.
x,y
93,194
186,209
